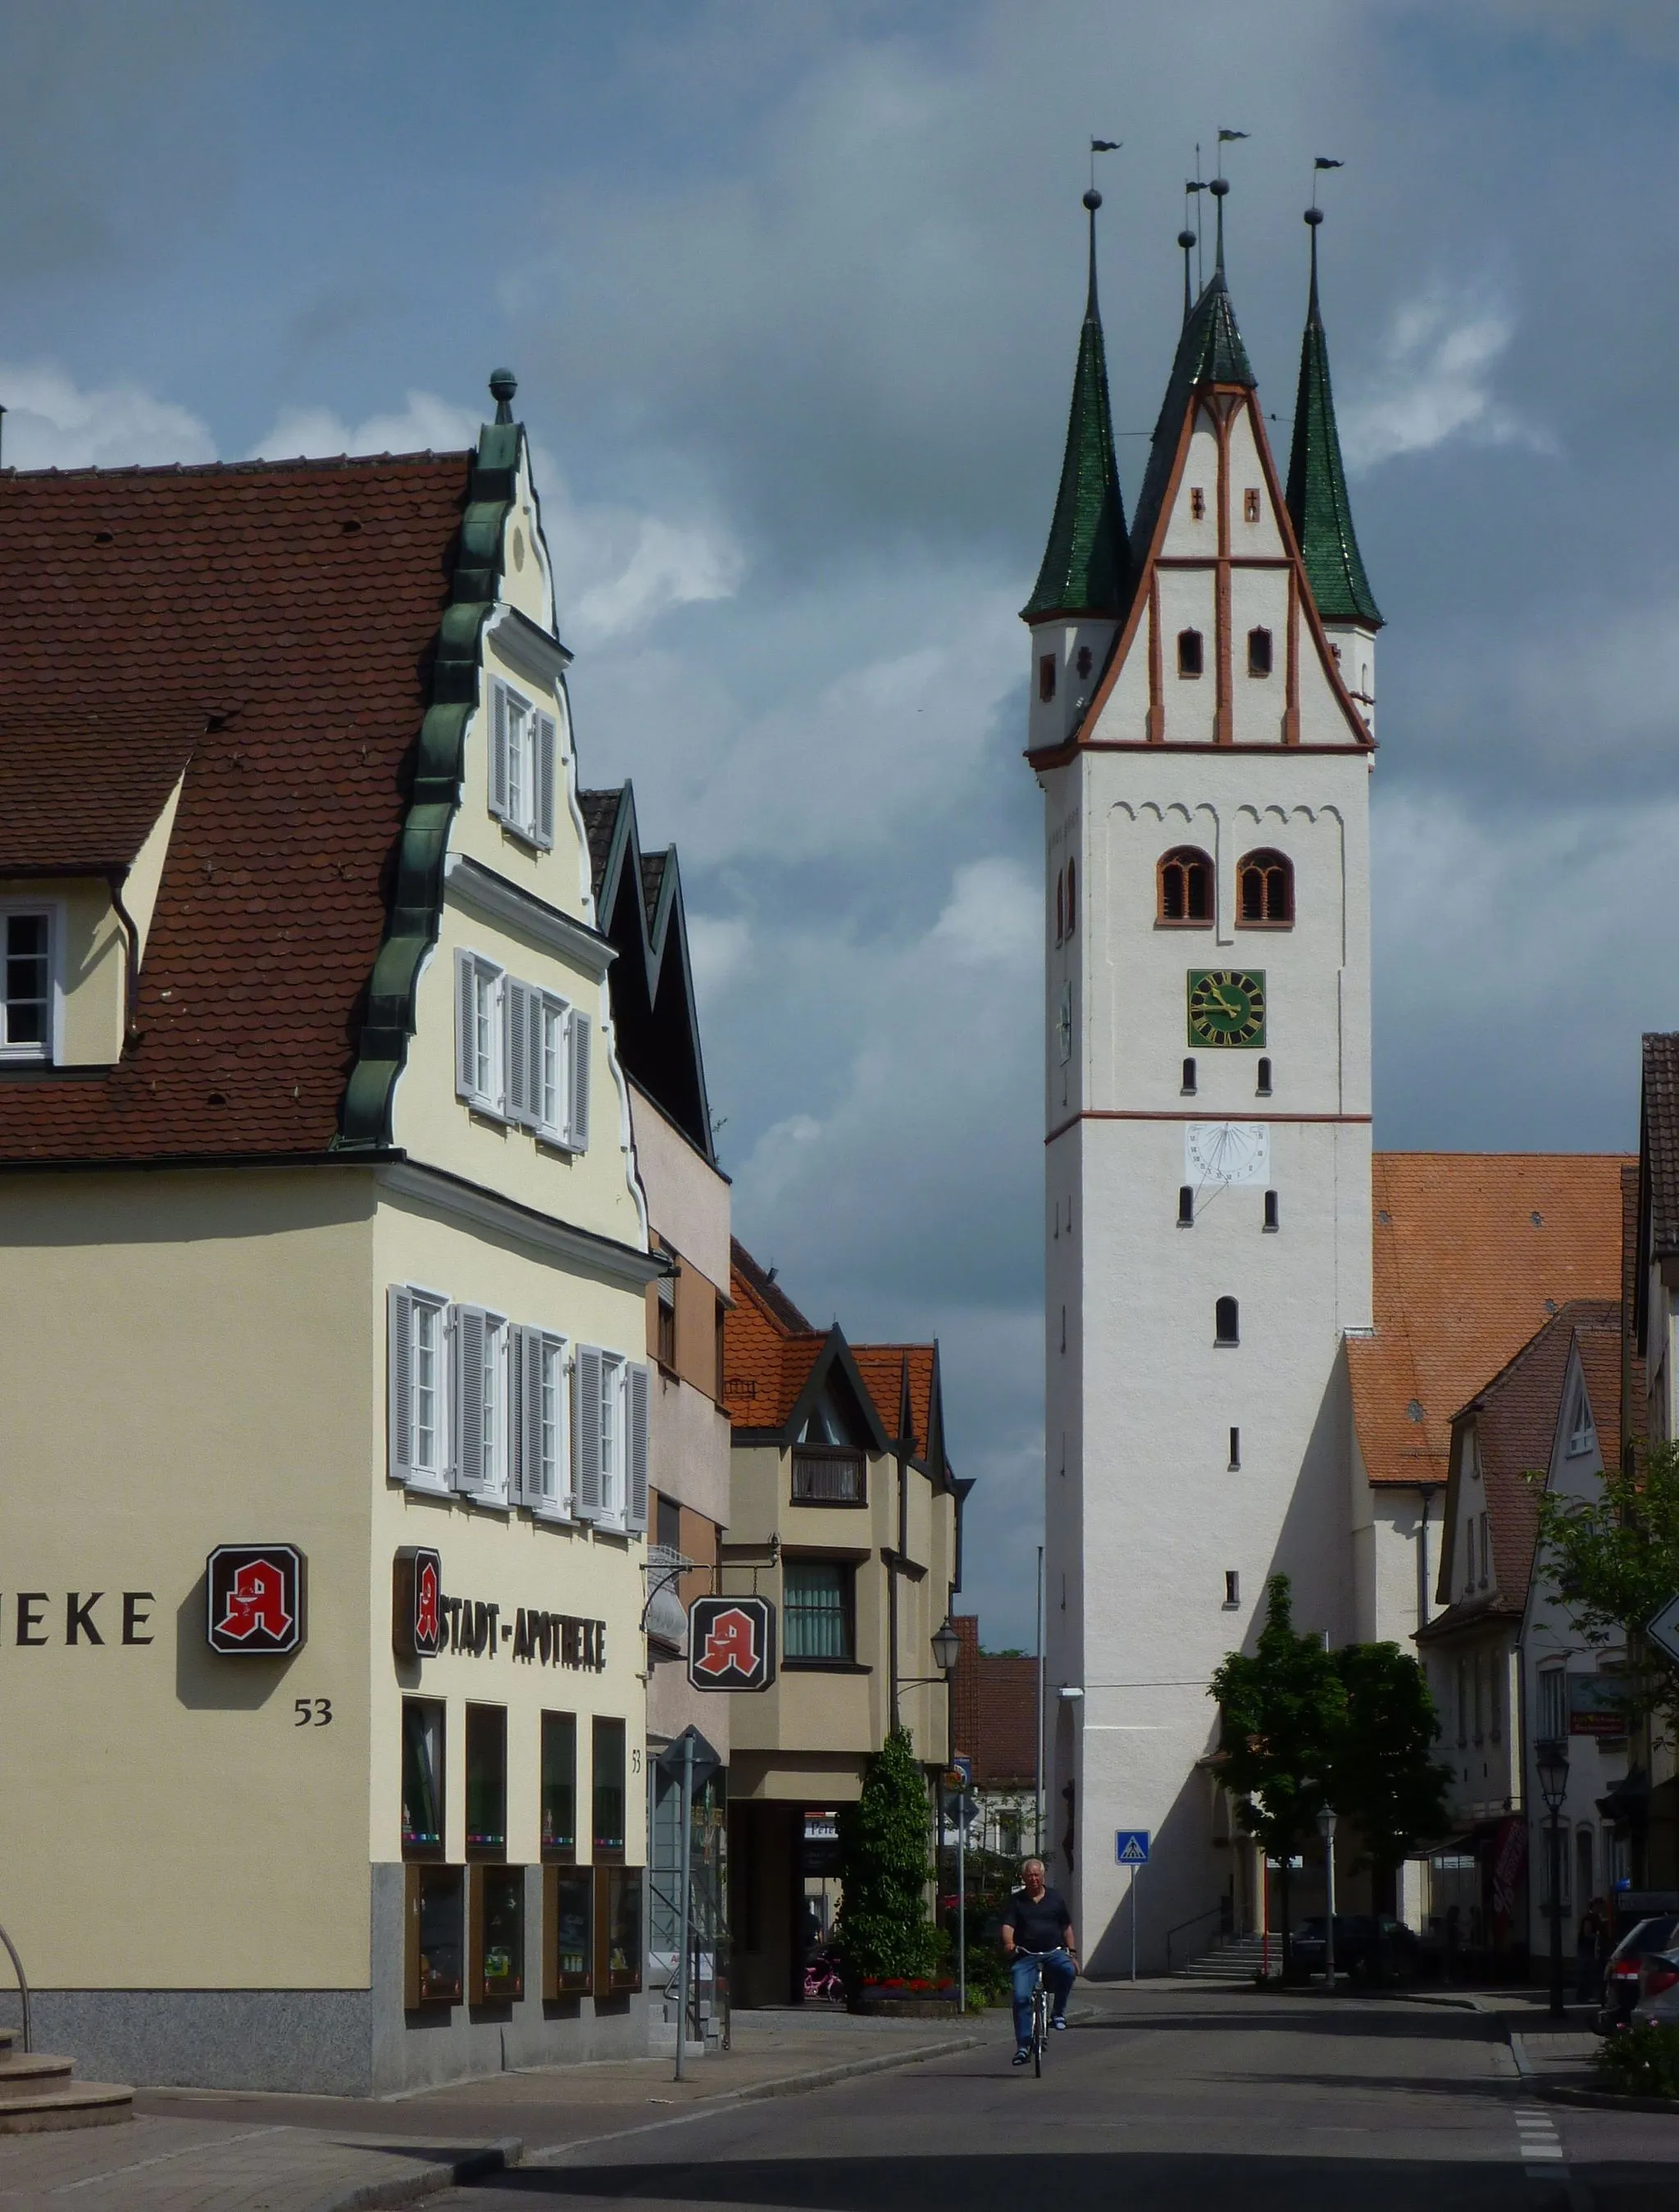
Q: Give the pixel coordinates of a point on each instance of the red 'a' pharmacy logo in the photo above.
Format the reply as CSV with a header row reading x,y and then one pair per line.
x,y
731,1643
255,1597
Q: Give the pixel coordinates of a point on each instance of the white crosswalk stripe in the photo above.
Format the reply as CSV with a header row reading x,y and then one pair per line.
x,y
1537,2136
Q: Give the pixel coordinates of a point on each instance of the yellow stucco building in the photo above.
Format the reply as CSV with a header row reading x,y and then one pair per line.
x,y
325,1266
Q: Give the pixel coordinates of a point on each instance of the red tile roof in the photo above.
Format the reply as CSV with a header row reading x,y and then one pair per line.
x,y
1472,1252
996,1712
276,619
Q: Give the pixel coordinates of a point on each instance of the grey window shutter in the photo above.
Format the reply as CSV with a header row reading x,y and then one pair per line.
x,y
586,1429
519,1342
635,1518
581,1041
535,1016
400,1307
498,752
546,735
465,1069
469,1397
536,1491
522,1076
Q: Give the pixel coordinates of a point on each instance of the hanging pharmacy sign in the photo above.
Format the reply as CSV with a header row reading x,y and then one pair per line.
x,y
256,1599
731,1643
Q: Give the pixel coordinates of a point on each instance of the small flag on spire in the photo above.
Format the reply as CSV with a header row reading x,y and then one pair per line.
x,y
1323,161
1105,145
1225,137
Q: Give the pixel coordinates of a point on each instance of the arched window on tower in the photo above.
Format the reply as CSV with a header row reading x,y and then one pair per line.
x,y
1226,1322
1265,890
1189,652
1183,886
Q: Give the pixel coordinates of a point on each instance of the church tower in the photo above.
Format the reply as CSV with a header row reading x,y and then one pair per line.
x,y
1205,765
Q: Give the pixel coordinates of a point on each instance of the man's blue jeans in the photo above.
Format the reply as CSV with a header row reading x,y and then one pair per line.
x,y
1058,1975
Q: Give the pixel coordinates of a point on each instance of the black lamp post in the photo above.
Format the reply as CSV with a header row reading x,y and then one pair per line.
x,y
1326,1828
1551,1758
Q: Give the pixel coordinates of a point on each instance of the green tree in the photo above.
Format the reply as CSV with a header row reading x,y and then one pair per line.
x,y
883,1928
1613,1561
1382,1774
1282,1710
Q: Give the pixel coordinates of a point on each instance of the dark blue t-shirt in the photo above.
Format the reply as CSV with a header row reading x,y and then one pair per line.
x,y
1040,1927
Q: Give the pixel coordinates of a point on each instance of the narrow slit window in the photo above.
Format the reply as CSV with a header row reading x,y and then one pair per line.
x,y
1046,677
1060,905
1250,504
1271,1209
1183,885
1188,1078
1070,909
1188,651
1235,1451
1084,661
1259,652
1262,1080
1186,1205
1233,1590
1265,890
1198,504
1226,1322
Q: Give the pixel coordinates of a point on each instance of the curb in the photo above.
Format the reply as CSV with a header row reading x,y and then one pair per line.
x,y
411,2188
1611,2100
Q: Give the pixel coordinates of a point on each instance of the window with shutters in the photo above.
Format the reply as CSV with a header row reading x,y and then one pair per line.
x,y
548,1048
1553,1704
610,1434
524,742
480,1051
25,972
421,1438
480,1380
541,1477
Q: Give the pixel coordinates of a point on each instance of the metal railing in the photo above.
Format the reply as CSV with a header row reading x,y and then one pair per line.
x,y
22,1987
1214,1912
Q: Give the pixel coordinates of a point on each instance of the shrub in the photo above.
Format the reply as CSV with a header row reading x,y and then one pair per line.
x,y
883,1929
1643,2062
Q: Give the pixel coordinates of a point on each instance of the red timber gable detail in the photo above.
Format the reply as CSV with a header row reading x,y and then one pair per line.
x,y
1218,407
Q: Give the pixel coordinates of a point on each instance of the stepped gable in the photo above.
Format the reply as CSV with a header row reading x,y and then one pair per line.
x,y
269,628
1465,1274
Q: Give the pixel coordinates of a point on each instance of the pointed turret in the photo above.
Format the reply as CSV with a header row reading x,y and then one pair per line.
x,y
1322,512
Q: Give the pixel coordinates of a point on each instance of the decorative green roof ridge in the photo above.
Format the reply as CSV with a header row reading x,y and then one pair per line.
x,y
1086,561
1319,505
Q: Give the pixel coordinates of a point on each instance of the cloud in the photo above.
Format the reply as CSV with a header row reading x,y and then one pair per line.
x,y
424,423
1435,383
51,422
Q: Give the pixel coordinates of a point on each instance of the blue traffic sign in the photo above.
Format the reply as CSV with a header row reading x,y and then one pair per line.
x,y
1131,1846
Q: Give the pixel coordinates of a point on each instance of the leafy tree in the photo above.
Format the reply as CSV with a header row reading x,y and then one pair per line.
x,y
1382,1773
1613,1561
1282,1711
883,1928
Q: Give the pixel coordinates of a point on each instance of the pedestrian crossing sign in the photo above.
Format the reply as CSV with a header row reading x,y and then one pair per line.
x,y
1131,1846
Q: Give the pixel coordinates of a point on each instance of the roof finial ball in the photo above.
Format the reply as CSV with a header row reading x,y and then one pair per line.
x,y
1314,216
502,386
1093,199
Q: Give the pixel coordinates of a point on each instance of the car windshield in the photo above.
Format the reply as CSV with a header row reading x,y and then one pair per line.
x,y
1653,1935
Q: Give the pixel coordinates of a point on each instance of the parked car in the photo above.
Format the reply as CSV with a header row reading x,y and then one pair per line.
x,y
1623,1974
1658,1992
1364,1941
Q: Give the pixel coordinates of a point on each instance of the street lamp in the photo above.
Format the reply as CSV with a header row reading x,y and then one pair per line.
x,y
947,1648
1326,1829
1551,1758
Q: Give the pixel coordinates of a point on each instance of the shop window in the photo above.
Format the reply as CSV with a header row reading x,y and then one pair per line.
x,y
1226,1322
423,1723
1183,885
1189,652
495,1934
1265,890
432,1935
1250,504
816,1613
1046,678
568,1931
26,1011
558,1786
486,1781
618,1901
828,1477
609,1794
1259,652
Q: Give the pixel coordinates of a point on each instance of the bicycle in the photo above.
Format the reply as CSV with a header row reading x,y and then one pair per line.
x,y
1040,2035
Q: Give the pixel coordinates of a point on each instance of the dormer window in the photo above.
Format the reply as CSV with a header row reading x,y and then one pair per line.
x,y
523,742
1046,678
1189,652
26,1014
1582,1430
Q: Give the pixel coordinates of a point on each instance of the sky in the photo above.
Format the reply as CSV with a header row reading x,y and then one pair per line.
x,y
792,291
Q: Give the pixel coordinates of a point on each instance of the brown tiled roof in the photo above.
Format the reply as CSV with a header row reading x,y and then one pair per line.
x,y
965,1688
765,1289
881,1366
82,780
281,618
1661,1140
1465,1274
995,1711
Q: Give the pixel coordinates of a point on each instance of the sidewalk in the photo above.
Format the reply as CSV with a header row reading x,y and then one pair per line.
x,y
193,2150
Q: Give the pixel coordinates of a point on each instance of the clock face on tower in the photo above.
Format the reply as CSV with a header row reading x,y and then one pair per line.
x,y
1226,1006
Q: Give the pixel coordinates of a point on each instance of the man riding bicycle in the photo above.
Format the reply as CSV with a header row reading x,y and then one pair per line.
x,y
1038,1935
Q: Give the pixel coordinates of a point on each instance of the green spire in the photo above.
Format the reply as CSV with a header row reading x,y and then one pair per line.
x,y
1086,560
1317,503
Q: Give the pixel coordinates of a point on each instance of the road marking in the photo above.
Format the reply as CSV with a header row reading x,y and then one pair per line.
x,y
1537,2140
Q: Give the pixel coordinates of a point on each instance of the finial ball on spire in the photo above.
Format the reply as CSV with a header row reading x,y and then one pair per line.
x,y
1186,239
1093,199
1219,187
1314,216
503,384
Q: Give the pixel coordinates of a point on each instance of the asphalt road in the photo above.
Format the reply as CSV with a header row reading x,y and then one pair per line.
x,y
1162,2101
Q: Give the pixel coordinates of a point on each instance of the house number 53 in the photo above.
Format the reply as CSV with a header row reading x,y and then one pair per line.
x,y
312,1711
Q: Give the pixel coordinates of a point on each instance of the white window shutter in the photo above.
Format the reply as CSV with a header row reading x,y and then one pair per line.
x,y
545,748
498,752
468,1346
466,1010
636,1426
400,1309
536,1017
581,1042
518,1385
522,1078
585,1431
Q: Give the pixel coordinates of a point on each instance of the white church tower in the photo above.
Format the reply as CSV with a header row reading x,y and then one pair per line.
x,y
1199,726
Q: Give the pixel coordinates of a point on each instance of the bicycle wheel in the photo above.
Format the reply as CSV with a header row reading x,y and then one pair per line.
x,y
1040,2026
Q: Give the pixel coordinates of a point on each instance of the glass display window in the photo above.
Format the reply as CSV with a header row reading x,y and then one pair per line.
x,y
559,1785
486,1781
496,1947
609,1794
433,1945
424,1735
568,1931
618,1901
